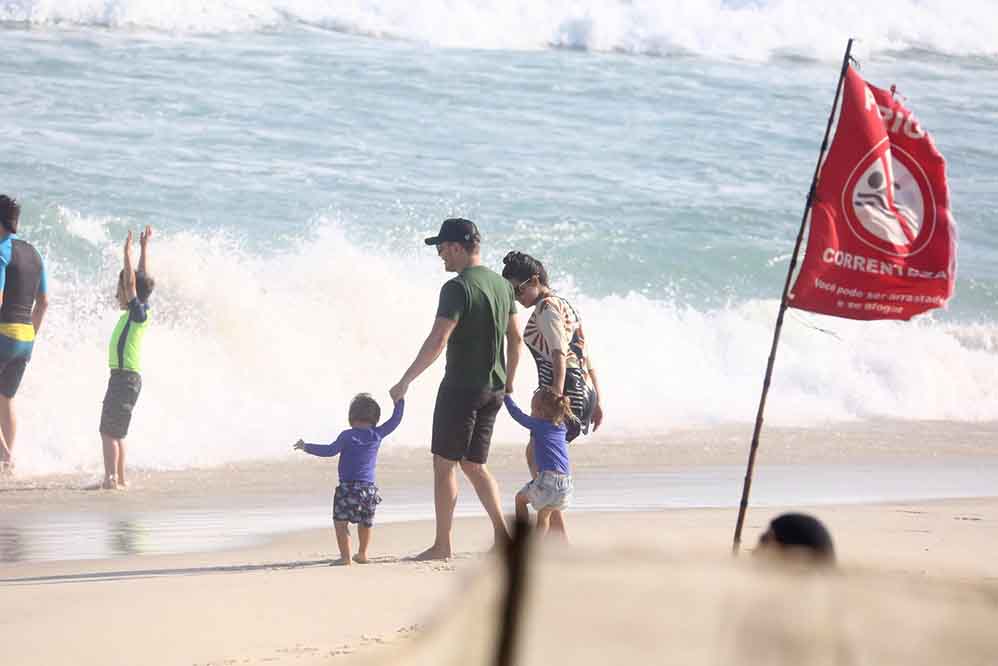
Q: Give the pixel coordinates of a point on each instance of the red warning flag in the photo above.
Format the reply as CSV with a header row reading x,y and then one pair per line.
x,y
882,242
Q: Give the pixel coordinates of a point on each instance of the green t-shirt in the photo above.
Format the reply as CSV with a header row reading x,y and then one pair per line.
x,y
481,301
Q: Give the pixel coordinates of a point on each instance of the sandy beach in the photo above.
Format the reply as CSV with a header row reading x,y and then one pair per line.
x,y
271,598
282,604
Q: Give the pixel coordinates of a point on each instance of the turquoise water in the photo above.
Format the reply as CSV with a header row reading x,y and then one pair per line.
x,y
292,157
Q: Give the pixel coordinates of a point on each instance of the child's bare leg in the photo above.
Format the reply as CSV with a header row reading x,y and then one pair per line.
x,y
120,467
364,536
543,521
558,525
343,541
522,510
110,445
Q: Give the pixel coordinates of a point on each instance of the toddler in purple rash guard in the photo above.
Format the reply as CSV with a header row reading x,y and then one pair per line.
x,y
356,496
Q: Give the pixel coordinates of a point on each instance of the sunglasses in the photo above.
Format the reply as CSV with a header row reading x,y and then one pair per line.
x,y
518,289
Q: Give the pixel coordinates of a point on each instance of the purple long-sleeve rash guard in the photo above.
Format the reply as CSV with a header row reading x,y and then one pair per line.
x,y
358,448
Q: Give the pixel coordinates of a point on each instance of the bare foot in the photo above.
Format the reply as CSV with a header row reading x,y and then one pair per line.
x,y
360,559
109,483
6,468
340,562
123,485
433,553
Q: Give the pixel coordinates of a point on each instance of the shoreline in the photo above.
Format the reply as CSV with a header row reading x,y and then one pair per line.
x,y
726,443
317,538
241,506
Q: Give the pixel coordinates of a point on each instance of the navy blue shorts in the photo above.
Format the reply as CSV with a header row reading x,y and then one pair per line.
x,y
14,357
355,502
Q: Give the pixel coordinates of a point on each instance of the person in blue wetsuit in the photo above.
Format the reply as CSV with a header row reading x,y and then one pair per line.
x,y
551,490
356,496
23,302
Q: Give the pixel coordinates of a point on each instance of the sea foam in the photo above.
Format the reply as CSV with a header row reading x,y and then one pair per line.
x,y
247,353
742,29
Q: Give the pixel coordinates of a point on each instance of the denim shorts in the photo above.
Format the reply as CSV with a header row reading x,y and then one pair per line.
x,y
550,490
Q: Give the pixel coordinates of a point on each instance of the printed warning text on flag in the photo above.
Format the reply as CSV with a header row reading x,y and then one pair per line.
x,y
881,242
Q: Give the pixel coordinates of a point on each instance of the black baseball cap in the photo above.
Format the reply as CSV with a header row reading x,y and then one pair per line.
x,y
455,230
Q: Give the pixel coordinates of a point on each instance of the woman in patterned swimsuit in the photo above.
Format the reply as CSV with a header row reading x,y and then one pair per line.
x,y
555,338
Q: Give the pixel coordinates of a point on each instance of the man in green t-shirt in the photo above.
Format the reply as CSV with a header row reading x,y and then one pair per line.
x,y
476,315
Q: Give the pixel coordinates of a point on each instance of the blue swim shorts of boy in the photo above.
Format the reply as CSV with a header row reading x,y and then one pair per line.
x,y
550,490
355,502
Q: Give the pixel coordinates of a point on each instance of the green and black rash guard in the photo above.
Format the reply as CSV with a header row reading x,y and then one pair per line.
x,y
125,350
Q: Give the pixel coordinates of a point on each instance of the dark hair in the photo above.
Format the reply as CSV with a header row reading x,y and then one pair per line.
x,y
799,530
520,267
364,408
10,213
553,407
144,284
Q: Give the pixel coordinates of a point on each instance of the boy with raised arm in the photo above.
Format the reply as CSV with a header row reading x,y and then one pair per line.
x,y
356,497
124,354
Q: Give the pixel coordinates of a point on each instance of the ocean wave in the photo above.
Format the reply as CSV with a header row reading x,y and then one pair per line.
x,y
754,30
247,353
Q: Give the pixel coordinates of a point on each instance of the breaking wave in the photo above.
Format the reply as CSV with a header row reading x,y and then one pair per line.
x,y
754,30
247,353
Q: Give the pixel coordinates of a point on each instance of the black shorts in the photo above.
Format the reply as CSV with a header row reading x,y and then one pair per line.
x,y
11,374
122,393
462,423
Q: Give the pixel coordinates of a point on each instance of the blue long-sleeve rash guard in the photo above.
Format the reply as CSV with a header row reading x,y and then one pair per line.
x,y
550,447
358,448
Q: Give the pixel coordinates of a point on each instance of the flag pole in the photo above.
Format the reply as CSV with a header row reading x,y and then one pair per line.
x,y
747,487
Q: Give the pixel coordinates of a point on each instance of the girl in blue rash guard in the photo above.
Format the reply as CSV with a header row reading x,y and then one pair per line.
x,y
551,490
356,496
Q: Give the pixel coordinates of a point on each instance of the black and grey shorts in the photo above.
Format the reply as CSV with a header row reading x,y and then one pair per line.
x,y
122,393
463,420
355,502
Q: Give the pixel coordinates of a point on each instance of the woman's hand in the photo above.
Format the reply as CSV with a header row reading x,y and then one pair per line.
x,y
597,416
